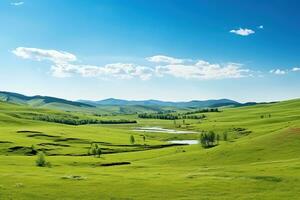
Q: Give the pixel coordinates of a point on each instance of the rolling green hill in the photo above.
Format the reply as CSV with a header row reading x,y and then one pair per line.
x,y
39,101
88,107
258,160
113,106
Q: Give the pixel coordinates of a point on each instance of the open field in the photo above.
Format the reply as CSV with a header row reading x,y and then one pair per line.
x,y
259,160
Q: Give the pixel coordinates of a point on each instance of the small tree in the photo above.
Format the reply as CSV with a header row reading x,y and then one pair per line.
x,y
211,138
218,138
207,139
99,152
132,140
33,150
95,150
225,137
41,160
144,139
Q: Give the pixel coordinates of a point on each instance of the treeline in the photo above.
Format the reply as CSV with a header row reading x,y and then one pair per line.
x,y
71,119
205,110
172,115
169,116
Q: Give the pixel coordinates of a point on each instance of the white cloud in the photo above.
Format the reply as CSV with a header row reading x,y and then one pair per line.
x,y
164,59
242,32
62,70
117,70
64,65
43,54
204,71
296,69
278,71
260,27
17,3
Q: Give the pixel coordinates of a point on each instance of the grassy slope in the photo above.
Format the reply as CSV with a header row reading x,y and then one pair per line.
x,y
65,105
262,165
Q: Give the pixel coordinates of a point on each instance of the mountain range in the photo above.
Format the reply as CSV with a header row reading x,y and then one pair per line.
x,y
151,102
112,105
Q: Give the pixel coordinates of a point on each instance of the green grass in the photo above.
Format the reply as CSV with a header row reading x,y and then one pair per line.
x,y
261,162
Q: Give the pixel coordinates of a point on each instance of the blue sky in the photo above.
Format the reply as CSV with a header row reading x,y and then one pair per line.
x,y
137,49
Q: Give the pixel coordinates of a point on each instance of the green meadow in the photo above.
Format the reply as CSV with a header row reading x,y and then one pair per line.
x,y
257,155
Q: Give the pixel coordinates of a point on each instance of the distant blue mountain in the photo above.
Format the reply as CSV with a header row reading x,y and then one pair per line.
x,y
112,105
151,102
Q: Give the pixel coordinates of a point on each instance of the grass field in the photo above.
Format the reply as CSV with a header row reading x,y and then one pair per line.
x,y
260,159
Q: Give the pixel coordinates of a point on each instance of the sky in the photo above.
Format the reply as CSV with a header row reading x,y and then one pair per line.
x,y
173,50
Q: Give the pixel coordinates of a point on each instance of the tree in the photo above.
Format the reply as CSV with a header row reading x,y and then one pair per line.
x,y
225,138
218,138
144,139
132,140
211,138
99,152
33,150
41,160
207,139
95,150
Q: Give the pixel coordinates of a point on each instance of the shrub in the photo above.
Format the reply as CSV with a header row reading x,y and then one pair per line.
x,y
95,150
207,140
225,137
99,152
33,150
144,139
41,160
132,140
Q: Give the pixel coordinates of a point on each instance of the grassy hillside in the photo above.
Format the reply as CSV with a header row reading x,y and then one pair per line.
x,y
85,106
259,160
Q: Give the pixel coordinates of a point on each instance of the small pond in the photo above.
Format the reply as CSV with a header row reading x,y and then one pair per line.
x,y
184,141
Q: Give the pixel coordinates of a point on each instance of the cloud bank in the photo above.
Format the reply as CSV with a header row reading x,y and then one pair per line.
x,y
242,31
164,59
278,71
296,69
64,65
17,3
42,54
284,71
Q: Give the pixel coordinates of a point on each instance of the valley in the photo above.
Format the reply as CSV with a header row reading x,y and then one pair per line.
x,y
255,157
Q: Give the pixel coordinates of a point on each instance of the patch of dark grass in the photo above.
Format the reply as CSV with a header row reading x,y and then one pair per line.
x,y
28,151
74,177
54,144
113,164
5,142
22,150
26,131
74,140
267,178
42,135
